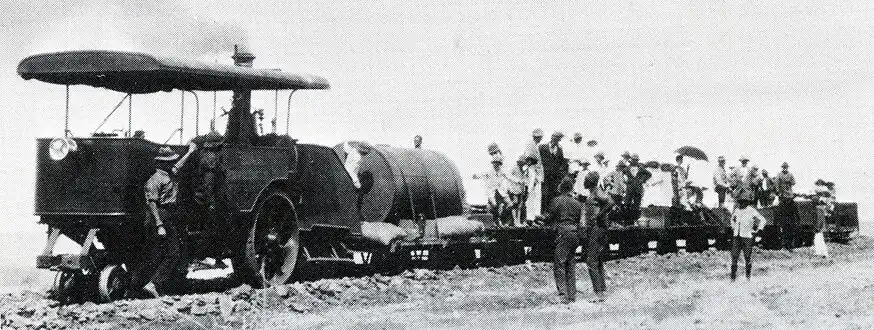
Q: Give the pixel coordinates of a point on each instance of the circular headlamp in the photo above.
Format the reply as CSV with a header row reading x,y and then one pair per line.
x,y
61,147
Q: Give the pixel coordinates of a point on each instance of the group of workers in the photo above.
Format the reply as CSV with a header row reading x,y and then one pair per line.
x,y
561,187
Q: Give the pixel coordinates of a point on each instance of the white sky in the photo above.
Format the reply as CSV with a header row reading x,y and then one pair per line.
x,y
774,80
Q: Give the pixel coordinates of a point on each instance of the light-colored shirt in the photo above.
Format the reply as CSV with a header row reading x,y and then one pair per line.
x,y
575,153
494,181
746,221
160,188
720,177
615,183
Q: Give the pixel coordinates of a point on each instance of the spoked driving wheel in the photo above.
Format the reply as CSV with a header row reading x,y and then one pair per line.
x,y
273,244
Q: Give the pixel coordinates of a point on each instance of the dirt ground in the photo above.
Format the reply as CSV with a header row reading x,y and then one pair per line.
x,y
685,290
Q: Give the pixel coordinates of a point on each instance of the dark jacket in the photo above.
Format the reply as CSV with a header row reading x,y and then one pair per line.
x,y
636,182
564,208
554,165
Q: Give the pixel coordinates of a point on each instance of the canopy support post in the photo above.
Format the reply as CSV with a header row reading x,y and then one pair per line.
x,y
214,102
288,113
67,112
196,113
130,108
275,109
182,118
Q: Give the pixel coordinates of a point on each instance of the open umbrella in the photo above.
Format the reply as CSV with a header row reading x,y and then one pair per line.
x,y
692,152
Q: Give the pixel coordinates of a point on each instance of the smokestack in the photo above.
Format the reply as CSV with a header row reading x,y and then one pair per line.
x,y
242,57
241,122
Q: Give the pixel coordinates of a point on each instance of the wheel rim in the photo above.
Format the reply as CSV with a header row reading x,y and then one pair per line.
x,y
274,242
113,279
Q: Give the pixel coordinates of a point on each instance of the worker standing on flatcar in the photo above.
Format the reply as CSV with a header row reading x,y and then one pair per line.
x,y
496,185
554,166
161,265
564,214
787,211
417,142
720,181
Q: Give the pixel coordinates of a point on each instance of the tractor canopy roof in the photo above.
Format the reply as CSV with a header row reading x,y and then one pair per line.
x,y
132,72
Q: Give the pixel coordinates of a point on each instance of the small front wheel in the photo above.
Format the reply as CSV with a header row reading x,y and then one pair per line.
x,y
112,283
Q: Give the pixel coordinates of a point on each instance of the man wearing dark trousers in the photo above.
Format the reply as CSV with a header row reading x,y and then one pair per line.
x,y
787,210
161,269
554,167
564,215
598,206
637,177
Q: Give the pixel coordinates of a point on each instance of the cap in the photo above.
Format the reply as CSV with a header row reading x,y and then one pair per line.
x,y
599,154
635,156
166,154
213,139
620,163
626,154
566,185
785,164
721,158
743,158
578,135
558,134
537,132
493,148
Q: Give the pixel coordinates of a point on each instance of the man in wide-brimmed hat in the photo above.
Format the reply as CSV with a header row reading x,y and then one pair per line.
x,y
554,166
787,211
161,266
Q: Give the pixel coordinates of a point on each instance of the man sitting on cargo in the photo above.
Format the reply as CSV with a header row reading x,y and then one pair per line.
x,y
496,186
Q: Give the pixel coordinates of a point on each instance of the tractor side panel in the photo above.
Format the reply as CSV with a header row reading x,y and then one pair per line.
x,y
250,170
327,196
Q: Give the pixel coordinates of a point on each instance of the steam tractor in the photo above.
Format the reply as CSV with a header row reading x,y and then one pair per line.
x,y
294,209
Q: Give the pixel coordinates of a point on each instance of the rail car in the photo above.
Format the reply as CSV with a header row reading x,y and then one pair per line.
x,y
295,211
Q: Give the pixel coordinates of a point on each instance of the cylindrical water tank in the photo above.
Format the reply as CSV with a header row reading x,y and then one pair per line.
x,y
409,182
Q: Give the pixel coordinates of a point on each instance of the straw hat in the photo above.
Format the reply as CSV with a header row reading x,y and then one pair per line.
x,y
166,154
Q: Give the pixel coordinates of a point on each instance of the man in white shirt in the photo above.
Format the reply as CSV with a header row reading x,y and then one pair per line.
x,y
720,181
497,186
745,221
575,153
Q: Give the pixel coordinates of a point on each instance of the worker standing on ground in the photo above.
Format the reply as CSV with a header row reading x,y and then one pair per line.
x,y
554,167
564,214
161,265
745,221
597,208
720,181
787,211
